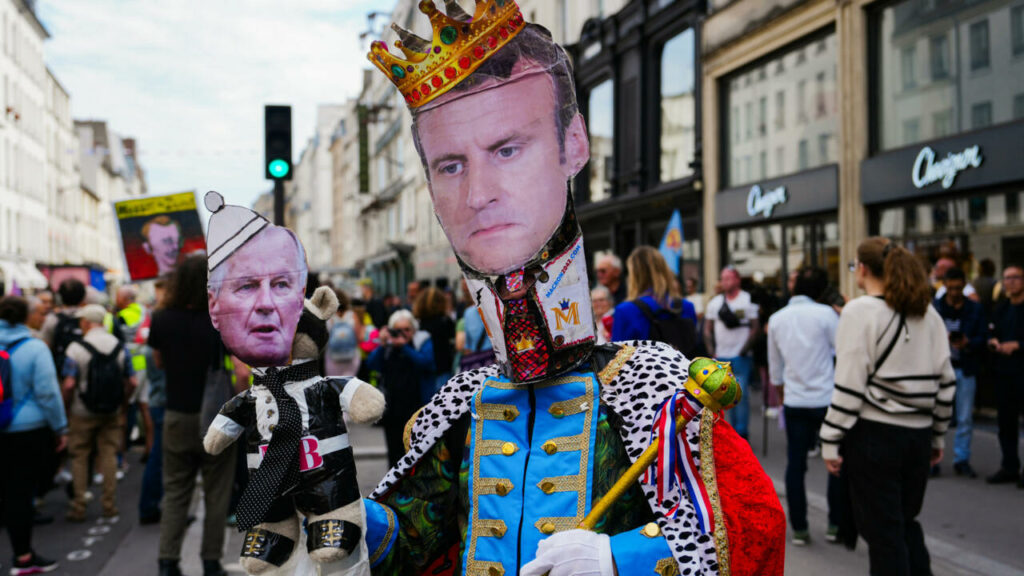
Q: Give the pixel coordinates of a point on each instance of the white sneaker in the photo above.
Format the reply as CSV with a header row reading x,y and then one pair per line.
x,y
771,413
63,477
97,478
814,452
120,474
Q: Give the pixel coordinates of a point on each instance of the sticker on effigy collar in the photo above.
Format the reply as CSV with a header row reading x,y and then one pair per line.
x,y
256,283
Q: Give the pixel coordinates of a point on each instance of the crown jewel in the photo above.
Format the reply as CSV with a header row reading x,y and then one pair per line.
x,y
459,46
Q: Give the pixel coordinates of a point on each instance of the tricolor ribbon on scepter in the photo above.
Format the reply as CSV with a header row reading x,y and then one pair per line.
x,y
668,462
675,466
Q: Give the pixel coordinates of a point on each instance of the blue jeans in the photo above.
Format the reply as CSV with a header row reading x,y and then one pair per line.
x,y
153,476
802,427
965,387
739,415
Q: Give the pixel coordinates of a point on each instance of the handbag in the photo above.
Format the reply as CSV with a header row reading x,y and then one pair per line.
x,y
217,390
727,316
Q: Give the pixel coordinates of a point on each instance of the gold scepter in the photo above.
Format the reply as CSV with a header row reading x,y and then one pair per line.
x,y
712,383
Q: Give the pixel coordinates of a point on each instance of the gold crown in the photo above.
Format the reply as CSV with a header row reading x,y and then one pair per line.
x,y
460,45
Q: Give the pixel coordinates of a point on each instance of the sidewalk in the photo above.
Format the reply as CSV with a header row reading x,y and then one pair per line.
x,y
970,527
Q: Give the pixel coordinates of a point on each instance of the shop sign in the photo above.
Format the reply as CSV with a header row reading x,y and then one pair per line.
x,y
959,163
813,191
927,171
764,201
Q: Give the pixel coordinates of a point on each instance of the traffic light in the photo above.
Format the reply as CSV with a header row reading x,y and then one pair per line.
x,y
277,145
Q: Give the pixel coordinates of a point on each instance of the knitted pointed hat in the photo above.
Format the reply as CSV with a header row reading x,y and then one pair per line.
x,y
230,227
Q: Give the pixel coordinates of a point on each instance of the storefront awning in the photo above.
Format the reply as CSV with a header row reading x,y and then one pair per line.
x,y
22,274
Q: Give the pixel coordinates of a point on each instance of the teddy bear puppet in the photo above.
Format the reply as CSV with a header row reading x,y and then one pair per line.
x,y
324,489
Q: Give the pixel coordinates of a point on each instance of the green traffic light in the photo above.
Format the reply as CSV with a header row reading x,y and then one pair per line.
x,y
279,168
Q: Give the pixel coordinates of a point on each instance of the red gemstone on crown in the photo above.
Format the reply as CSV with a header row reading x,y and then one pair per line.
x,y
492,42
436,81
503,32
416,95
478,52
450,72
425,89
464,62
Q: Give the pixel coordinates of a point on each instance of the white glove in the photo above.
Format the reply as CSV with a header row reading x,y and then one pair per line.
x,y
572,553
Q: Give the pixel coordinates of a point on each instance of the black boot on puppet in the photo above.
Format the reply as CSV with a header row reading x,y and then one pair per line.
x,y
300,460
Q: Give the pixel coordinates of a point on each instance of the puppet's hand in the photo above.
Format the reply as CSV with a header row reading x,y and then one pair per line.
x,y
573,552
367,403
216,441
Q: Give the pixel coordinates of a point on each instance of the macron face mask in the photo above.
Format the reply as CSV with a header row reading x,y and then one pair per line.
x,y
257,280
497,127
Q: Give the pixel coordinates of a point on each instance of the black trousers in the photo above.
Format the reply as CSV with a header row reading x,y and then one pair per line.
x,y
1009,405
20,451
802,428
887,467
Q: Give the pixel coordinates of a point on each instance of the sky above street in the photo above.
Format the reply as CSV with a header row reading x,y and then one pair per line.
x,y
189,79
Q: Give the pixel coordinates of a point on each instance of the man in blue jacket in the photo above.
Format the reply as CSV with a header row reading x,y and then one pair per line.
x,y
966,329
38,415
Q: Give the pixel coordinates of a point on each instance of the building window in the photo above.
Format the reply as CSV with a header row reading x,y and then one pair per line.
x,y
762,116
823,140
912,131
780,160
678,109
763,165
820,101
981,115
939,57
1018,106
780,110
600,124
801,101
1017,29
748,109
734,121
907,56
802,162
942,123
979,45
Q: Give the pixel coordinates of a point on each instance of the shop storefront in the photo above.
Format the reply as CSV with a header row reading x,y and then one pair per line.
x,y
946,175
778,225
963,194
637,82
778,207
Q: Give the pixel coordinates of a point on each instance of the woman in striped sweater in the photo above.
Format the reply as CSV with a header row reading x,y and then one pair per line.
x,y
891,404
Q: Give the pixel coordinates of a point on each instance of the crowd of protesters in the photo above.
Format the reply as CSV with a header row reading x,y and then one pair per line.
x,y
872,383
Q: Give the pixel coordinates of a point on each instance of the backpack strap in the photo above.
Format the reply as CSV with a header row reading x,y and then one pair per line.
x,y
645,309
14,345
94,352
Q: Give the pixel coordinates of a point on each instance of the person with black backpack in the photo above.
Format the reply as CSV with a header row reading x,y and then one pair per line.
x,y
655,309
32,425
61,328
99,377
